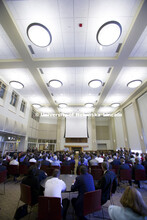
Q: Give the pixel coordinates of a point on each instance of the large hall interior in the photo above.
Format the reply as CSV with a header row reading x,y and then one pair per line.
x,y
73,80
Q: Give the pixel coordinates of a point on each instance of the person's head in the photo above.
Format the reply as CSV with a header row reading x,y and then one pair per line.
x,y
32,170
122,160
83,169
105,166
56,173
132,199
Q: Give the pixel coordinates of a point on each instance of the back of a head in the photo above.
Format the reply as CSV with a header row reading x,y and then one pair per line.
x,y
105,165
56,173
32,170
83,169
132,199
137,161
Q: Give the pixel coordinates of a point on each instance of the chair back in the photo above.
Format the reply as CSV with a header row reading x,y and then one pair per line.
x,y
3,176
23,169
25,194
49,208
125,174
140,175
97,173
13,169
92,202
65,169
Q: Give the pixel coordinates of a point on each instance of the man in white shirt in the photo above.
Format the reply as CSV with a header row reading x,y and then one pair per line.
x,y
14,161
54,187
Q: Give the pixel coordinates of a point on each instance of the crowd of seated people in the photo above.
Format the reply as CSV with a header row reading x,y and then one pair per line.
x,y
124,159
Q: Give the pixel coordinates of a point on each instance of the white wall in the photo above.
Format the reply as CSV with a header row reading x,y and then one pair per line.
x,y
133,136
119,132
142,104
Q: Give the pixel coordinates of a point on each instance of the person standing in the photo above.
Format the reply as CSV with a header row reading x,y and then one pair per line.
x,y
83,183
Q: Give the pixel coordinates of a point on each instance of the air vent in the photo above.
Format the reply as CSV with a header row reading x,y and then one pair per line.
x,y
118,48
41,71
109,70
31,49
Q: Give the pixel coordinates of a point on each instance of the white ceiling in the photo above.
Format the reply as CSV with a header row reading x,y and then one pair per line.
x,y
74,57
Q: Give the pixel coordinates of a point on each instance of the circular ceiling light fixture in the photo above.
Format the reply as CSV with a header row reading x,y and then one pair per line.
x,y
115,105
95,83
35,105
39,35
55,83
16,84
109,33
89,105
134,83
62,105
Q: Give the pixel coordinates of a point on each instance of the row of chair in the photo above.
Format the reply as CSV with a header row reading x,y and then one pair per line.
x,y
50,207
23,169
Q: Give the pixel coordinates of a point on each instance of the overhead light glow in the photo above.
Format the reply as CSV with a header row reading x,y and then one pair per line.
x,y
16,84
95,83
55,83
35,105
89,105
134,83
62,105
115,105
39,35
109,33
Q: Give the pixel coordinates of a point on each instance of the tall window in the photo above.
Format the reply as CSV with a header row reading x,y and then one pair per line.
x,y
14,98
2,89
22,107
35,115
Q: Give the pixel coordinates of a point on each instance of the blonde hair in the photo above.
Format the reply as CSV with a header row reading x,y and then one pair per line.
x,y
132,198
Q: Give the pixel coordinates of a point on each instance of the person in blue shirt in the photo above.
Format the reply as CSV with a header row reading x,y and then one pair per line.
x,y
84,183
133,206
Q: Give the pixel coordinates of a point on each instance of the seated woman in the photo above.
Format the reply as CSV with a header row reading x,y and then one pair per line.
x,y
133,206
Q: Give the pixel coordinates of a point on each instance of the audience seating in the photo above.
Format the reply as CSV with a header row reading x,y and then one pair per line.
x,y
13,170
125,175
140,175
49,208
92,202
3,177
97,173
25,196
65,169
23,169
116,168
44,168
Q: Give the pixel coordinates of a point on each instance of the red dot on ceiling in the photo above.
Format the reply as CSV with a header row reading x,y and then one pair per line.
x,y
80,24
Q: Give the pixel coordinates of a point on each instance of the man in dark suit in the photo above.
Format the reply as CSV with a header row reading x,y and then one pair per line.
x,y
84,183
137,166
124,166
108,183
